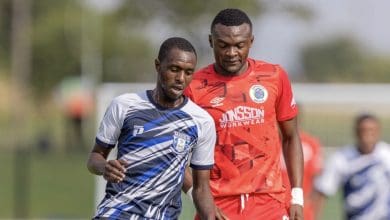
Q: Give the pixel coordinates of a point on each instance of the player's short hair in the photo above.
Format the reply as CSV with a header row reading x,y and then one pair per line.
x,y
174,42
231,17
364,116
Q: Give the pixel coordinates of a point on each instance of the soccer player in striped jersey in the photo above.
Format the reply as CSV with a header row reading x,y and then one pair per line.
x,y
155,131
362,171
250,101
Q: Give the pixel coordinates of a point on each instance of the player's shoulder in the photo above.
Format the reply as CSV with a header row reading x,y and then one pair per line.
x,y
264,69
383,148
197,112
261,65
129,98
348,152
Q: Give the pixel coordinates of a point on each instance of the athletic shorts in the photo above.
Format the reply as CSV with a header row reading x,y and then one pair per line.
x,y
251,206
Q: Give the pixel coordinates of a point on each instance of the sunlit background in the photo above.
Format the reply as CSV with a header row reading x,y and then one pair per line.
x,y
56,55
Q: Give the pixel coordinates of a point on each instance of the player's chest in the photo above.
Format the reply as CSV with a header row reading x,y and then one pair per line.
x,y
248,93
156,132
241,103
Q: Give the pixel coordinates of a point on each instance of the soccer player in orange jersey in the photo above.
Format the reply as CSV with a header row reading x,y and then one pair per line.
x,y
313,163
250,101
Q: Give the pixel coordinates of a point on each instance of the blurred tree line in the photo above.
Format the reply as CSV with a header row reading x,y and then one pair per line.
x,y
59,30
342,59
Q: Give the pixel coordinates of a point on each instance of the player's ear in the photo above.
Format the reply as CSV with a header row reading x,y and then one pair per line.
x,y
157,65
211,40
252,39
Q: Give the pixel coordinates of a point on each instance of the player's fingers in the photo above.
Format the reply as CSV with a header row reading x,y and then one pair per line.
x,y
296,212
118,168
123,164
220,215
111,177
113,173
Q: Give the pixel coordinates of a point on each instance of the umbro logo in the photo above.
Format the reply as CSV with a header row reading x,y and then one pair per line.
x,y
217,101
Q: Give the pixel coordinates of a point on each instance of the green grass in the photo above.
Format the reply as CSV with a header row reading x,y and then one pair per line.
x,y
58,185
333,209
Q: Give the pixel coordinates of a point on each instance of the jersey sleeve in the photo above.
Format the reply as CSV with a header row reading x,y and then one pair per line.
x,y
203,153
110,126
330,179
286,107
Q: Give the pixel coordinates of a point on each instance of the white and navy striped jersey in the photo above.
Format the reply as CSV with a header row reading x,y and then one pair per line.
x,y
365,181
156,143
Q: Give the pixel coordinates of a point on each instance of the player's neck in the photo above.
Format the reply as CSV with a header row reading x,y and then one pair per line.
x,y
219,70
164,101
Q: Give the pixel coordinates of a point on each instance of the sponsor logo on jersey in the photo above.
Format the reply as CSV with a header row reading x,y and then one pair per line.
x,y
241,116
258,93
138,129
216,101
180,141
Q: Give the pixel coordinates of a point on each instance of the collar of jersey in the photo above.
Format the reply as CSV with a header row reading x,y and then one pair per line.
x,y
242,75
160,107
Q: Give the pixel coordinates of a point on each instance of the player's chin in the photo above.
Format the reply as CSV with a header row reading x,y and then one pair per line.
x,y
233,69
175,94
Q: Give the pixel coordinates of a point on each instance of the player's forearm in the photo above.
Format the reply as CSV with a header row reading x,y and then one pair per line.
x,y
201,194
96,163
293,155
204,202
187,184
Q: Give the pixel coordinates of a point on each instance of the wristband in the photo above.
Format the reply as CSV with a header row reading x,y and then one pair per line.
x,y
189,194
297,196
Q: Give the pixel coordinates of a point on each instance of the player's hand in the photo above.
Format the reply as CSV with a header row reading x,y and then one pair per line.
x,y
296,212
219,215
114,171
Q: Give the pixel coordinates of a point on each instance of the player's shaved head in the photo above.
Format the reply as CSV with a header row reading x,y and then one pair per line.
x,y
231,17
174,42
365,116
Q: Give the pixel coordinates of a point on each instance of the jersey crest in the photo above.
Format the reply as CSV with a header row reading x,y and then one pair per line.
x,y
180,142
258,93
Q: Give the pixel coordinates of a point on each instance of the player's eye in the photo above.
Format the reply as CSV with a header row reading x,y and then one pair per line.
x,y
174,69
240,45
189,72
222,45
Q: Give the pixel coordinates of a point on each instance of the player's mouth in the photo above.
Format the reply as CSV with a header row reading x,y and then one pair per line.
x,y
231,62
178,89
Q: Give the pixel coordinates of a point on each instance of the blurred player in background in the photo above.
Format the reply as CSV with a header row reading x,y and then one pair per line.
x,y
250,101
362,170
155,130
312,166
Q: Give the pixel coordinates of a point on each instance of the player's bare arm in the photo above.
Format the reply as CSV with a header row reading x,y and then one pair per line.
x,y
112,170
187,188
293,155
201,193
187,184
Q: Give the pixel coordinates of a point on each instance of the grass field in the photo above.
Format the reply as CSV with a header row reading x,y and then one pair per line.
x,y
58,186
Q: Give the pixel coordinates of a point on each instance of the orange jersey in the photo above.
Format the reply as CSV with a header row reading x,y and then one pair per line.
x,y
246,110
312,156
